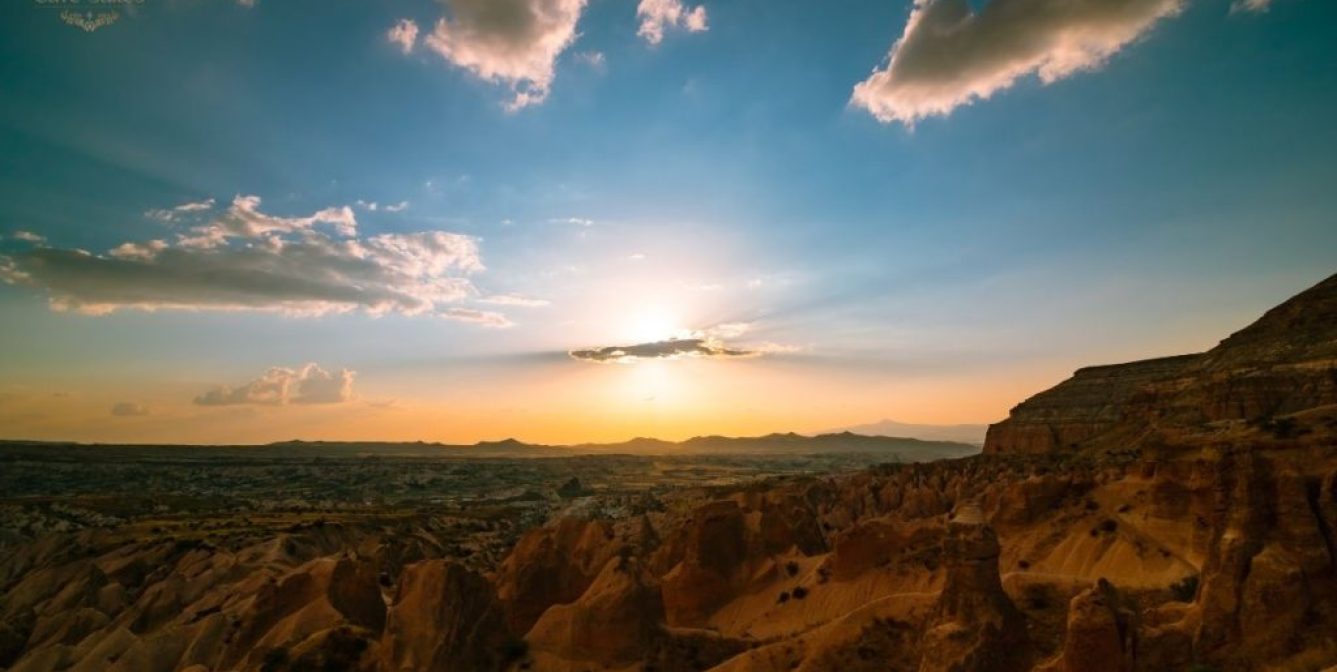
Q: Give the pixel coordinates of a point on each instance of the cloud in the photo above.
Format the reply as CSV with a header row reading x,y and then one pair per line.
x,y
710,342
659,15
29,237
128,409
1250,6
180,211
373,206
514,300
595,59
404,34
670,349
951,55
515,42
483,318
281,386
245,259
243,219
575,221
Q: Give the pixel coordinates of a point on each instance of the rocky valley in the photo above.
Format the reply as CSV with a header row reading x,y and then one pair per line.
x,y
1171,514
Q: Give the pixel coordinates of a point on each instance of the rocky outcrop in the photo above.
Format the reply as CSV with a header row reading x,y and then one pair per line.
x,y
976,626
713,558
1284,363
444,617
552,565
1101,634
617,621
1091,403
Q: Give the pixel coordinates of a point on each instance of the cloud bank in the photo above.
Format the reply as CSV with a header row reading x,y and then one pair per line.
x,y
950,55
246,259
656,16
515,42
280,386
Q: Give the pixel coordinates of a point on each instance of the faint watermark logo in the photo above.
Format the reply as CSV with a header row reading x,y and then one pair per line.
x,y
89,15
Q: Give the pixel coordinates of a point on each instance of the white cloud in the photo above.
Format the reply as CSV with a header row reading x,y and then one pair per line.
x,y
595,59
1250,6
659,15
515,42
29,237
243,219
404,34
180,211
577,221
514,300
245,259
950,55
280,386
373,206
484,318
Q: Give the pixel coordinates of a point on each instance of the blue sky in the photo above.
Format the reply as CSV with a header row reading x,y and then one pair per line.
x,y
719,185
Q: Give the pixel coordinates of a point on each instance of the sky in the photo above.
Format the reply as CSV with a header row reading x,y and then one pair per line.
x,y
572,220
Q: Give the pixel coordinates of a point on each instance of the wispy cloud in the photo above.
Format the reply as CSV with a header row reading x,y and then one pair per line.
x,y
576,221
403,34
514,300
484,318
515,42
184,210
246,259
950,55
1250,6
595,59
128,409
373,206
657,16
308,384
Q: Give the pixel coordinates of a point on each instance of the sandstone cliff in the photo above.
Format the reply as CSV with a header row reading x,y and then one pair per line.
x,y
1284,363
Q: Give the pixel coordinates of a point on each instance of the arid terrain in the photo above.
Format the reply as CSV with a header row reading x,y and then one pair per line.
x,y
1173,514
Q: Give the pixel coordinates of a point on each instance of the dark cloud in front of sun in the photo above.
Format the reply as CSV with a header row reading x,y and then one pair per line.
x,y
672,348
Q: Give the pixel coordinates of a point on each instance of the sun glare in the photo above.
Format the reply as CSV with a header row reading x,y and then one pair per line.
x,y
651,325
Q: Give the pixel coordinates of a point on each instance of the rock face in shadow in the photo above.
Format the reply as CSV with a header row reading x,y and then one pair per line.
x,y
976,627
617,621
716,547
552,565
444,617
1101,634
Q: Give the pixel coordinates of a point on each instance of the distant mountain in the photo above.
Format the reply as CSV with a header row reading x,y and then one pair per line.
x,y
895,449
972,434
900,448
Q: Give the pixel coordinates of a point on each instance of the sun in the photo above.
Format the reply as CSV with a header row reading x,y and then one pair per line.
x,y
651,325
